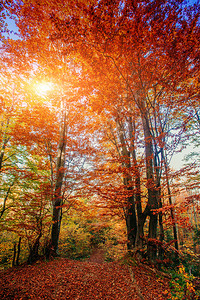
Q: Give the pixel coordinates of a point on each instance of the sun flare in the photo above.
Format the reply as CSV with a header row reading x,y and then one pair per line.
x,y
42,88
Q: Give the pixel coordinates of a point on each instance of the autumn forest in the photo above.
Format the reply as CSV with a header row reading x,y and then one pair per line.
x,y
100,135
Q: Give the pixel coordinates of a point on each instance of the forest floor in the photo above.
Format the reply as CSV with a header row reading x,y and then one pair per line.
x,y
93,278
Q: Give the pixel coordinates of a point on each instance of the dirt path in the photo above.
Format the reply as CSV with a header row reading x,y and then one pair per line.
x,y
97,256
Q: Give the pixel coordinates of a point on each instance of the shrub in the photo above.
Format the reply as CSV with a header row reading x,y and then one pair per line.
x,y
181,285
75,243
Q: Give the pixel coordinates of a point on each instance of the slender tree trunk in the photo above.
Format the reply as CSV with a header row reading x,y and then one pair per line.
x,y
5,199
170,203
131,223
57,201
158,171
33,255
18,251
152,191
5,138
161,230
57,210
14,255
130,215
56,225
140,232
140,216
173,223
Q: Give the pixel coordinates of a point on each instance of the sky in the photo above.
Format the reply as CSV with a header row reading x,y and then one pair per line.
x,y
178,161
12,28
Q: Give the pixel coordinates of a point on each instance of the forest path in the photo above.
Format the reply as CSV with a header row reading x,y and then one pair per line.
x,y
97,256
64,279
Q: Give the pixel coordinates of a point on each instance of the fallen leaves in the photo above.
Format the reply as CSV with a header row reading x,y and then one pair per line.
x,y
68,279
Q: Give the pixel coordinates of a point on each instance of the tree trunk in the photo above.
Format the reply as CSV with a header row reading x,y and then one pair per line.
x,y
18,251
130,215
57,201
33,255
161,235
14,255
5,199
158,171
56,225
152,235
131,223
170,203
141,217
152,190
140,230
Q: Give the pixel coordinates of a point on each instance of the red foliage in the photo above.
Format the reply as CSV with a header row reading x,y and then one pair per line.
x,y
68,279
